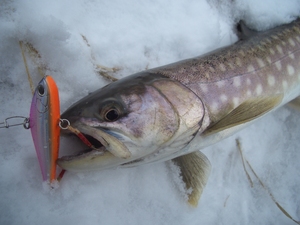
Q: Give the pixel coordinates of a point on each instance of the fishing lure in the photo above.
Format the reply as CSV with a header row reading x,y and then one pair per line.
x,y
44,123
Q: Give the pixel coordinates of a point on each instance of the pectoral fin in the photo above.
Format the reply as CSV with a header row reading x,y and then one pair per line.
x,y
245,112
195,169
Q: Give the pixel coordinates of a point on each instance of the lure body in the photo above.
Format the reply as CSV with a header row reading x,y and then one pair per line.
x,y
44,125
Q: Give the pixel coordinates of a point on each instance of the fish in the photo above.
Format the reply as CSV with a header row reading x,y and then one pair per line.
x,y
173,111
44,120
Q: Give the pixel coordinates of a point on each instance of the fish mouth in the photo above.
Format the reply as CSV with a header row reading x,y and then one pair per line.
x,y
97,149
103,144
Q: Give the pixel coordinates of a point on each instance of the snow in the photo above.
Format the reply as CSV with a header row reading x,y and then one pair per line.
x,y
133,36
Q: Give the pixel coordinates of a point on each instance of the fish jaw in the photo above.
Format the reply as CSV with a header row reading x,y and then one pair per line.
x,y
89,160
110,152
153,113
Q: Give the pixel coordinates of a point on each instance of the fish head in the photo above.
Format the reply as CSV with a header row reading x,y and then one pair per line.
x,y
133,118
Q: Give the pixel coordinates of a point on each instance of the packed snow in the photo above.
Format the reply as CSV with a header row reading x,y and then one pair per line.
x,y
71,38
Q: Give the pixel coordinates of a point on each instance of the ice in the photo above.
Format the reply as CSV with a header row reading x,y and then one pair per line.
x,y
133,36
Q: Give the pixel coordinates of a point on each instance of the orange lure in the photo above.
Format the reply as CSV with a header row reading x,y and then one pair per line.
x,y
44,124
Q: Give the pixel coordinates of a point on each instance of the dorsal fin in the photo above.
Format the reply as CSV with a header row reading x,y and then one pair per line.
x,y
244,32
245,112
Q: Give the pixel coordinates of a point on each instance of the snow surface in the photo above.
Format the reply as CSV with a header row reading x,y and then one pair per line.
x,y
134,35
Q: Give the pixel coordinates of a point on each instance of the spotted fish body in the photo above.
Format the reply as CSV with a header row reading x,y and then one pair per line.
x,y
255,76
263,66
173,111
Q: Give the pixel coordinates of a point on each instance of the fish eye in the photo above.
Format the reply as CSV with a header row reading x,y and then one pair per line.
x,y
111,115
41,90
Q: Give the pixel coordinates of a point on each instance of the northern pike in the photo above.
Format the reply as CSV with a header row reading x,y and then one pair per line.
x,y
172,112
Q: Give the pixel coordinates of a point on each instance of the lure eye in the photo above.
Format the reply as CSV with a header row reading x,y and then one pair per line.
x,y
111,115
41,90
